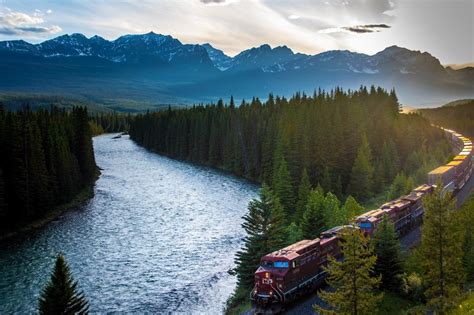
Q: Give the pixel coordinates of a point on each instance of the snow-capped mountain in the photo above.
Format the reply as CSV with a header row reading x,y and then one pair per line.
x,y
218,58
147,65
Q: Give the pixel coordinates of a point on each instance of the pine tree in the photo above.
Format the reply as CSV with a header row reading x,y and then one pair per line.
x,y
352,279
283,189
466,218
303,195
83,144
326,179
362,172
387,249
441,251
60,296
332,211
390,161
351,209
3,206
265,227
294,232
313,222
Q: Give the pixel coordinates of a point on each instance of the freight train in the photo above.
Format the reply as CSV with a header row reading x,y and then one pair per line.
x,y
288,273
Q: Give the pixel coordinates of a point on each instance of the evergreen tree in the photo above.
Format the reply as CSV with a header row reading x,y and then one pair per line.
x,y
3,206
351,209
303,195
283,189
313,222
401,185
390,161
352,279
387,249
294,232
466,218
441,251
362,172
83,144
265,227
60,296
332,211
325,181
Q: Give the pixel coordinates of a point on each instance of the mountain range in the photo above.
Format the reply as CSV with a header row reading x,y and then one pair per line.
x,y
158,69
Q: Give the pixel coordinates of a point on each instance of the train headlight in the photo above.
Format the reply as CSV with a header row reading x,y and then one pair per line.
x,y
271,293
267,275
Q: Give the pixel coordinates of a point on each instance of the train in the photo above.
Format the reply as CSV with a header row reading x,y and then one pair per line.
x,y
455,174
291,272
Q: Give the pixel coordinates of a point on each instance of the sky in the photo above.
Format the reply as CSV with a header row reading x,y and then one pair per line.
x,y
444,28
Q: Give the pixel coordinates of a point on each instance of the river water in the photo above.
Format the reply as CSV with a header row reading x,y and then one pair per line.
x,y
158,236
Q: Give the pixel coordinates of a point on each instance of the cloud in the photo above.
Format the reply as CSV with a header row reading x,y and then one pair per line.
x,y
359,29
367,28
218,2
18,23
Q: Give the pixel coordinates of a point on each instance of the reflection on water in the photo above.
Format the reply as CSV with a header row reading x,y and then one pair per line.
x,y
159,235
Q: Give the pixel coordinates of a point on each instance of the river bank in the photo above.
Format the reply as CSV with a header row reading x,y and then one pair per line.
x,y
82,196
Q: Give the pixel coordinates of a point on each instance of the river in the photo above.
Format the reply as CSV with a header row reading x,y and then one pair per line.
x,y
158,236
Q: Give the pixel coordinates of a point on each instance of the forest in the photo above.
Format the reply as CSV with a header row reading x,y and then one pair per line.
x,y
46,159
351,143
459,117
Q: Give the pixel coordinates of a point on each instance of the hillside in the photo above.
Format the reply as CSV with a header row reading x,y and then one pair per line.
x,y
458,115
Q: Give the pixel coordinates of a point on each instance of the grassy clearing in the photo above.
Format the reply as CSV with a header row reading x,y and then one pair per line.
x,y
393,304
466,306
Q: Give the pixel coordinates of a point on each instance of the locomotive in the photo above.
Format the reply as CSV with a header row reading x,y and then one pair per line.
x,y
288,273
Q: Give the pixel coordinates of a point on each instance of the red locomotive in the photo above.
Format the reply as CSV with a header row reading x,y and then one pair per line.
x,y
295,270
290,272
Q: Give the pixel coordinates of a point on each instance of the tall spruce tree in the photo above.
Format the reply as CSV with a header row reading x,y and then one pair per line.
x,y
353,282
441,251
313,222
303,194
466,218
387,249
265,227
3,206
390,161
61,296
401,185
362,172
351,209
83,144
332,210
283,189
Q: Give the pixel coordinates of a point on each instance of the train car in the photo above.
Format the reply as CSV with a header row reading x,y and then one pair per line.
x,y
444,174
416,199
405,212
399,212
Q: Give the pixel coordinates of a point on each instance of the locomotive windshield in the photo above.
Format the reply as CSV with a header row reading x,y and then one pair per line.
x,y
280,264
275,264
